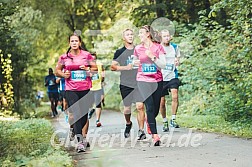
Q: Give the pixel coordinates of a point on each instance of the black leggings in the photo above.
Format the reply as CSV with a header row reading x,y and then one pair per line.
x,y
151,92
79,103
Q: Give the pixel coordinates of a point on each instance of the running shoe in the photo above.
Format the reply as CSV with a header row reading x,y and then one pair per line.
x,y
54,114
127,130
98,123
71,134
59,108
174,124
165,126
81,147
141,135
90,113
156,141
147,127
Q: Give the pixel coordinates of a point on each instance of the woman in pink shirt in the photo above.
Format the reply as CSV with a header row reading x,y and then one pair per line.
x,y
149,55
75,66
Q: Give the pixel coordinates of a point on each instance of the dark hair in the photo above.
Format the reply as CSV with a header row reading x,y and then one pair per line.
x,y
50,70
154,35
74,34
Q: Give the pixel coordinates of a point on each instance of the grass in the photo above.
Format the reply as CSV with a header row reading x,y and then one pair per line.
x,y
27,143
213,123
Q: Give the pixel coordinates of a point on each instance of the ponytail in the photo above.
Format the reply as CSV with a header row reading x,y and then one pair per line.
x,y
68,52
154,35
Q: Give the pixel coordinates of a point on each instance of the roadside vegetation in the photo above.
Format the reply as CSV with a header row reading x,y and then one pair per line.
x,y
214,37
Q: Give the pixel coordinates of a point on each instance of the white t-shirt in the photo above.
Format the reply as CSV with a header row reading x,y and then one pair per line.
x,y
170,71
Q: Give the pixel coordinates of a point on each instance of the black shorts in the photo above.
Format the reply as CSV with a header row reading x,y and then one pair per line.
x,y
130,95
168,85
82,97
53,95
62,95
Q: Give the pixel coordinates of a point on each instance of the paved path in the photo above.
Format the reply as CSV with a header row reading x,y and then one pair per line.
x,y
180,147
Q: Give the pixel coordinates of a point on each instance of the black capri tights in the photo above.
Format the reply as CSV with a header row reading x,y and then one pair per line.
x,y
151,92
79,103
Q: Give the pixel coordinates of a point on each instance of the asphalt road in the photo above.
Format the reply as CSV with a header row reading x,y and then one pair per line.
x,y
180,147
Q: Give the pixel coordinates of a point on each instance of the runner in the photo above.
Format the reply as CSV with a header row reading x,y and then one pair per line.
x,y
151,58
52,91
122,62
97,91
62,97
77,64
170,79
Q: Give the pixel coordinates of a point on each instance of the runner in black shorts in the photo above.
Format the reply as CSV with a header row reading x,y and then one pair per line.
x,y
170,79
52,91
168,85
122,62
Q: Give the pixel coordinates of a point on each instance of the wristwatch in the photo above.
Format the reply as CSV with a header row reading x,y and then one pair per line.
x,y
153,58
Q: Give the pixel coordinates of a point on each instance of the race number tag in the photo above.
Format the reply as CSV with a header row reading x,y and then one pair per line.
x,y
169,67
95,77
78,75
149,69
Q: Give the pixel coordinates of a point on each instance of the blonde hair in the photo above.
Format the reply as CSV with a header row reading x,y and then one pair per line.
x,y
165,31
127,29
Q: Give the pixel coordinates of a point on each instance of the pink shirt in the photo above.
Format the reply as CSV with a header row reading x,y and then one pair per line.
x,y
148,71
79,79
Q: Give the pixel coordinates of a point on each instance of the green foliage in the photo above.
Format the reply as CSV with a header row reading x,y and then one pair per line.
x,y
41,111
214,123
216,75
214,37
112,93
6,88
27,142
182,11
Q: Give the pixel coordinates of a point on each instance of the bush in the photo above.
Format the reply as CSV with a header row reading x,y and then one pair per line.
x,y
27,142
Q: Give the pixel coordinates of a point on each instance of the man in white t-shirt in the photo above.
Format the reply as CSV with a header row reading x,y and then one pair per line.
x,y
170,79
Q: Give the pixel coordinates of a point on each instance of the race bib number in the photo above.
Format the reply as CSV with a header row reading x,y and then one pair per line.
x,y
149,69
95,77
169,67
78,75
169,64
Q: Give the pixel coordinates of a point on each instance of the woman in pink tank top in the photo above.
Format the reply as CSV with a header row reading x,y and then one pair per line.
x,y
76,67
150,57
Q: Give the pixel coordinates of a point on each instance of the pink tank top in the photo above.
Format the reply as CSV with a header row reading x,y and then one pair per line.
x,y
148,71
79,80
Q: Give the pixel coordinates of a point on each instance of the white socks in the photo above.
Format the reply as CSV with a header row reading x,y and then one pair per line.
x,y
173,117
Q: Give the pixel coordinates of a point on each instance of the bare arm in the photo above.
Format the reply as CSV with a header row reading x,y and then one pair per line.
x,y
58,80
115,66
60,73
93,66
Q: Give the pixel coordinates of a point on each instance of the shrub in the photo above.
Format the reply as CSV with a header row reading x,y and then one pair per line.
x,y
27,142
